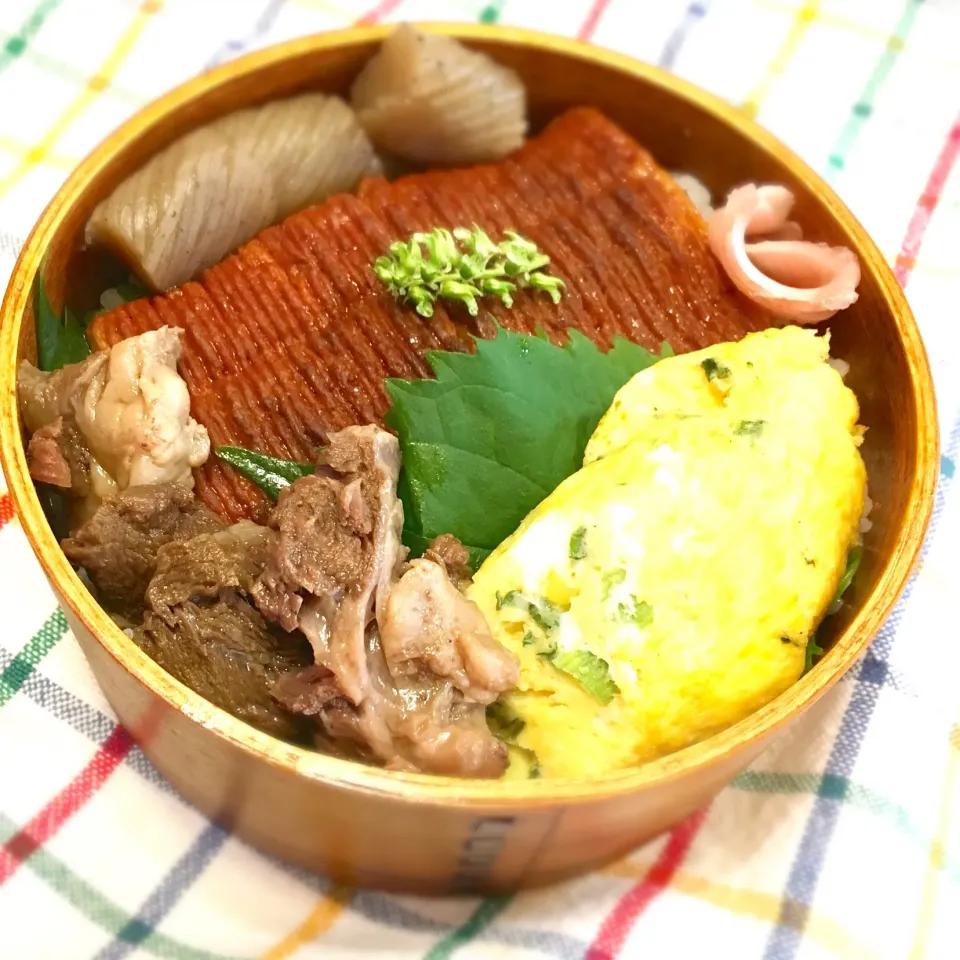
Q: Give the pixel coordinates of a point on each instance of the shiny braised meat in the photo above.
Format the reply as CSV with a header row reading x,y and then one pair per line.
x,y
57,452
453,556
202,629
402,669
45,396
205,566
337,549
130,408
118,545
430,629
227,652
417,724
58,455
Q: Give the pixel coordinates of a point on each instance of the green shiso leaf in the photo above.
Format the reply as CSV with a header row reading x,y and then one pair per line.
x,y
498,430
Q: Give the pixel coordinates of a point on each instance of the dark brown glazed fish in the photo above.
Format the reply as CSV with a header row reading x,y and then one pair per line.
x,y
293,335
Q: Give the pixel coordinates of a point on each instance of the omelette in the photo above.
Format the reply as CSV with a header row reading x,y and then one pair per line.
x,y
669,587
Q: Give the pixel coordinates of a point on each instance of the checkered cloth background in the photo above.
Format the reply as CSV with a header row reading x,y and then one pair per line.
x,y
844,840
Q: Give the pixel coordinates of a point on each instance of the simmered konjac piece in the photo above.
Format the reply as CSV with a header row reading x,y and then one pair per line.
x,y
294,334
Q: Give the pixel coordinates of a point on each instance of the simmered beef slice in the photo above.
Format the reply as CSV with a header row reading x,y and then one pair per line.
x,y
294,333
205,566
201,628
430,629
43,396
58,455
337,548
227,653
318,550
421,725
57,452
307,691
118,545
453,556
448,737
403,667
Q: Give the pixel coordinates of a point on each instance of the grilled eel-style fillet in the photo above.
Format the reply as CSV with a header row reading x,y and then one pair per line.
x,y
293,335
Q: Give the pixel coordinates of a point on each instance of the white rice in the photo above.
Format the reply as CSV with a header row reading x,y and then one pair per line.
x,y
866,524
841,366
111,298
696,190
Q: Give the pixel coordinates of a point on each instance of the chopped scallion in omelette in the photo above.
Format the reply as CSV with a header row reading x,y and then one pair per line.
x,y
668,588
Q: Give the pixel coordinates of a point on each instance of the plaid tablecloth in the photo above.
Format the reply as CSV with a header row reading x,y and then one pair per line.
x,y
844,840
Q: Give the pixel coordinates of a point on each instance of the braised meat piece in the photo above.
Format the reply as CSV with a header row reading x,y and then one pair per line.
x,y
205,566
430,628
402,669
45,396
453,556
417,725
118,545
58,455
227,653
202,628
131,408
338,545
307,691
57,452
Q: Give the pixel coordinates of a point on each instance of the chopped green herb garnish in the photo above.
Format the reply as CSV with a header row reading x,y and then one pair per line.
x,y
547,649
578,549
459,475
270,474
750,428
463,265
714,370
529,758
592,673
504,722
508,599
528,639
612,578
544,614
638,612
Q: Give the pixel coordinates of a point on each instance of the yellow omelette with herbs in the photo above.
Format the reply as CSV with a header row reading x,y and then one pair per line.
x,y
668,588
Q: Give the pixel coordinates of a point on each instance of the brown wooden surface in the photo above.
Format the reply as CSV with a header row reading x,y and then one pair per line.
x,y
425,834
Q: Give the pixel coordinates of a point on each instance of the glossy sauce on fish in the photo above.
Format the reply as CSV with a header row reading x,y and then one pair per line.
x,y
293,335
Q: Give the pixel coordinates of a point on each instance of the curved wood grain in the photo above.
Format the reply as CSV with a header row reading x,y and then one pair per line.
x,y
426,834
